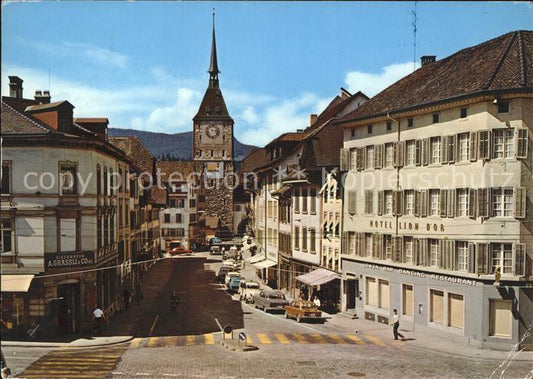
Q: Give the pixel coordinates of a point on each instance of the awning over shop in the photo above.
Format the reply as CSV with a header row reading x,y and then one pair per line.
x,y
257,258
282,191
265,264
16,283
317,277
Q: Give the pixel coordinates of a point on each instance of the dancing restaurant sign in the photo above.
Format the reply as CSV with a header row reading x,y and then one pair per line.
x,y
74,259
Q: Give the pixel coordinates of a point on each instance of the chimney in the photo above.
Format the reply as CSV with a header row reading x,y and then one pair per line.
x,y
15,87
312,118
427,59
42,97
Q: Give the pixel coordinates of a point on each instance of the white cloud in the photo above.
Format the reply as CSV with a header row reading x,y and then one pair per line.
x,y
250,116
101,56
373,83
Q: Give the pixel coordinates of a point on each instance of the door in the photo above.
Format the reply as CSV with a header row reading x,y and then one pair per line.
x,y
68,306
352,290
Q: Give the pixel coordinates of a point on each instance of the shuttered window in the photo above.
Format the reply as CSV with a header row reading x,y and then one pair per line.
x,y
452,140
434,252
352,202
408,250
381,202
444,149
463,147
520,202
409,203
297,238
423,200
502,202
353,159
389,155
473,146
483,202
484,144
369,202
436,311
399,153
420,151
522,143
388,203
463,198
398,203
296,200
387,240
344,159
434,201
368,245
455,311
378,156
520,259
312,236
502,257
371,292
443,201
369,158
384,294
360,158
502,143
435,150
407,300
501,318
482,258
411,153
462,252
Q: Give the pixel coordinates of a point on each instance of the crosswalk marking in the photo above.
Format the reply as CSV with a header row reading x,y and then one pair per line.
x,y
263,338
281,338
259,338
355,339
209,339
375,340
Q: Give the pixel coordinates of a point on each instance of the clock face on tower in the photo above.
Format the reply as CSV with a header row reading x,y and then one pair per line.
x,y
213,131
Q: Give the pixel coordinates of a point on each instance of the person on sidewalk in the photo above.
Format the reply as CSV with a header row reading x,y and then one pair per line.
x,y
316,301
98,316
396,324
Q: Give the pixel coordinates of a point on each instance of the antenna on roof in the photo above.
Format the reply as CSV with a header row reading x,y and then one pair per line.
x,y
414,23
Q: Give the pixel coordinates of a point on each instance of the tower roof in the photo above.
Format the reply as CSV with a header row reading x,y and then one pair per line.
x,y
213,64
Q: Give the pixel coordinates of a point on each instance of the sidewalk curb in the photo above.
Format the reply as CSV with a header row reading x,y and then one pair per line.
x,y
64,344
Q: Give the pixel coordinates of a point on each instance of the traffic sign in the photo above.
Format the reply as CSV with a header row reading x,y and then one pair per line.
x,y
242,336
228,329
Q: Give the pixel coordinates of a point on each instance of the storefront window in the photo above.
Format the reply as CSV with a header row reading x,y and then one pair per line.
x,y
407,299
436,307
455,311
501,318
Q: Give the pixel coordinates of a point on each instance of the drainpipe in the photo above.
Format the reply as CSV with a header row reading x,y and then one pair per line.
x,y
397,168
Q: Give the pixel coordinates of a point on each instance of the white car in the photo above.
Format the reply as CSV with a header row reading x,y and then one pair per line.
x,y
247,290
229,275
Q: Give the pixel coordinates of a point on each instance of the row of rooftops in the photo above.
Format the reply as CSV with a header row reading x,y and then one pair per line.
x,y
502,64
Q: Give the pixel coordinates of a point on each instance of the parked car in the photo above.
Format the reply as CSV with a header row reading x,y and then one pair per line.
x,y
214,250
270,300
222,273
234,283
214,241
247,290
237,265
303,310
229,274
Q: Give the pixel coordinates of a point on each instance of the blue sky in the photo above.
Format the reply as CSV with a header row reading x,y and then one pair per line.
x,y
143,65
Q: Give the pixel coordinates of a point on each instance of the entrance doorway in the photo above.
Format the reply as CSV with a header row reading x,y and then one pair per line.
x,y
68,306
352,288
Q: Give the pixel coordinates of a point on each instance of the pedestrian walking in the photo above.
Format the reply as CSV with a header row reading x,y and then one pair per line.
x,y
98,316
396,324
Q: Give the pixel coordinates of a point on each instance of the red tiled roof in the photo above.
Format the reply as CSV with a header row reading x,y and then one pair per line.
x,y
136,150
212,99
255,158
15,122
167,168
503,63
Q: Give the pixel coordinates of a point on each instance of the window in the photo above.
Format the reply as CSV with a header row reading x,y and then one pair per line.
x,y
371,292
313,200
304,239
455,311
304,199
434,198
68,179
502,202
192,203
388,247
312,236
502,257
368,244
369,129
411,153
435,150
389,126
435,118
389,155
503,107
67,233
503,143
297,238
384,294
464,112
407,300
410,122
192,217
178,218
352,131
409,202
434,253
166,217
462,255
369,157
501,318
464,147
436,306
369,202
408,249
6,178
388,203
7,239
296,201
462,202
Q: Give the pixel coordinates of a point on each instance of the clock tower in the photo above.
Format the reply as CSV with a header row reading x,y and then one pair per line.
x,y
213,154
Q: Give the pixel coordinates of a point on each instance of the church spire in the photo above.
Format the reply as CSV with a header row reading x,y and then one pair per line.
x,y
213,65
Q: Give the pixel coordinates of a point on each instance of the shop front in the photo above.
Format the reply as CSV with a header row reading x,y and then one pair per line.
x,y
325,285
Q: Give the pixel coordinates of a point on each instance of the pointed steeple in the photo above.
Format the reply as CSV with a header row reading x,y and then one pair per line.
x,y
213,65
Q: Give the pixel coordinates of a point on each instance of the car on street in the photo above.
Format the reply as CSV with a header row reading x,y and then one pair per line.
x,y
229,274
247,290
222,273
303,310
270,301
234,283
214,250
